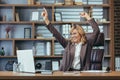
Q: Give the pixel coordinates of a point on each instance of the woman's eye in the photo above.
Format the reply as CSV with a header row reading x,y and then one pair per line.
x,y
74,33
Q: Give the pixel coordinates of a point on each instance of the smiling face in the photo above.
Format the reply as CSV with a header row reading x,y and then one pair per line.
x,y
75,36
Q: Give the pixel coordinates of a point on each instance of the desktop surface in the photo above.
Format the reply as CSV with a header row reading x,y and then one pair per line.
x,y
59,75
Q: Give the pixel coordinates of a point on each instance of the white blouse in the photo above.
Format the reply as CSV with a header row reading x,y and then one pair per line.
x,y
76,60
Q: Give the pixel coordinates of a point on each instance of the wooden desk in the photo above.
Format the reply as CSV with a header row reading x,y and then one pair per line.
x,y
60,76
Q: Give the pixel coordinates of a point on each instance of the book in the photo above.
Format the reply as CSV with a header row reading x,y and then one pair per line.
x,y
42,30
55,65
58,16
40,49
17,17
48,48
30,1
92,71
4,18
46,72
58,3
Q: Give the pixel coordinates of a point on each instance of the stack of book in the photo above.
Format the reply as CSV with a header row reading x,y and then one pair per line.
x,y
88,29
43,49
58,16
66,30
68,2
78,2
47,1
69,14
97,13
117,63
58,49
58,2
95,2
43,32
30,2
40,49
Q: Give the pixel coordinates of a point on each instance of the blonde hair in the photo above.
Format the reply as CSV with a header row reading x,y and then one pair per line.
x,y
80,31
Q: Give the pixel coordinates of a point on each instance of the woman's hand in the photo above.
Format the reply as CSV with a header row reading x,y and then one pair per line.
x,y
85,15
44,14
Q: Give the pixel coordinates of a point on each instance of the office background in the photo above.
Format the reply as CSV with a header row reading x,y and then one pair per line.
x,y
113,49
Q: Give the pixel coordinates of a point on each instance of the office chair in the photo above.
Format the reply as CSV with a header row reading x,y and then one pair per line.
x,y
97,53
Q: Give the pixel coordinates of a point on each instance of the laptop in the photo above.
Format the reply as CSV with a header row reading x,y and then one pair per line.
x,y
26,60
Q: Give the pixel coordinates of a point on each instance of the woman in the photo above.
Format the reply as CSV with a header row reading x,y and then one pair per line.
x,y
78,49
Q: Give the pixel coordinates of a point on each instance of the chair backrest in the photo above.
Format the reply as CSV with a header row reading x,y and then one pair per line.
x,y
97,53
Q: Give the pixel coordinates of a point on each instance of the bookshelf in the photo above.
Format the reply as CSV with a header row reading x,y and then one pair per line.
x,y
67,14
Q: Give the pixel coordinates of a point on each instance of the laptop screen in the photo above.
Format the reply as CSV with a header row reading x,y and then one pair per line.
x,y
26,60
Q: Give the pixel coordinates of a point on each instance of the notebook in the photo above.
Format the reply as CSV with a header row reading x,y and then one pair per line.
x,y
96,71
26,60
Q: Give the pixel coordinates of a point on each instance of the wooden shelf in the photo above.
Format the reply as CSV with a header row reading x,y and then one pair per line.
x,y
84,5
48,56
23,5
16,22
5,5
41,22
43,57
49,5
23,39
4,39
21,22
7,56
25,11
34,39
60,22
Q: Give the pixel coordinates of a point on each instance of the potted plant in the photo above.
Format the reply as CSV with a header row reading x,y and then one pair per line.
x,y
8,29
